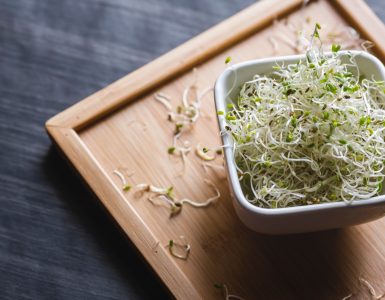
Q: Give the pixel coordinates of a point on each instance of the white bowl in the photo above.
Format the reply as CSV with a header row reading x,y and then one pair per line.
x,y
301,218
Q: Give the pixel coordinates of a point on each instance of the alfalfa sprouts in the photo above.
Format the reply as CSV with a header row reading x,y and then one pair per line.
x,y
166,197
292,32
125,186
179,250
208,201
164,100
310,132
226,294
202,153
371,289
184,117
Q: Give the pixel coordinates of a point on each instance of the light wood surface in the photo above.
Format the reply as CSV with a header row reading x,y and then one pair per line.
x,y
98,135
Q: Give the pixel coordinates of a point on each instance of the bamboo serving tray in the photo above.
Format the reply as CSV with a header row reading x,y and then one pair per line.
x,y
122,127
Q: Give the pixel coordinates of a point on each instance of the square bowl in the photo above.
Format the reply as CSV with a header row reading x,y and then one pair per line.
x,y
296,219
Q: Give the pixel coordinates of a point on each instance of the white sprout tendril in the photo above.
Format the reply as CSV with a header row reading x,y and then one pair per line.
x,y
226,293
166,195
179,250
371,289
121,177
163,99
126,187
206,202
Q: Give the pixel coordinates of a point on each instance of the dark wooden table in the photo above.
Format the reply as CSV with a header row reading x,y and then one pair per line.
x,y
56,242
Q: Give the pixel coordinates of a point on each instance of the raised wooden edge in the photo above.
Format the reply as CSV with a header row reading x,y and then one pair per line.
x,y
62,127
365,21
122,211
175,62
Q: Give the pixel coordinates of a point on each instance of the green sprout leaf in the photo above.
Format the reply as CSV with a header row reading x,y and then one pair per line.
x,y
127,187
336,48
171,150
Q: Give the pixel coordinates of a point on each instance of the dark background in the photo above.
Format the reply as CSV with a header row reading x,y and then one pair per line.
x,y
55,241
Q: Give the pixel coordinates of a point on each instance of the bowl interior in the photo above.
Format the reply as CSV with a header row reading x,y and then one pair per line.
x,y
234,77
228,87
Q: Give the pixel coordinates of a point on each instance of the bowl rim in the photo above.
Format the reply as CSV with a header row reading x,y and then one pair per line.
x,y
220,105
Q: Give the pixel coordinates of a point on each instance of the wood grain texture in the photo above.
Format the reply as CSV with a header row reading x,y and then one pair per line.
x,y
55,241
223,250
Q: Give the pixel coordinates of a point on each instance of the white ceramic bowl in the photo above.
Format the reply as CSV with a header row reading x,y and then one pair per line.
x,y
301,218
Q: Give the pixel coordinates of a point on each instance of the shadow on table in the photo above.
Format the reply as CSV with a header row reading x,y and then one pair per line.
x,y
91,215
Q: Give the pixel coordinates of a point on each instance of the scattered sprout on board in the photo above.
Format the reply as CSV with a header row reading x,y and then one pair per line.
x,y
126,187
226,294
371,289
179,250
293,32
184,117
166,195
310,132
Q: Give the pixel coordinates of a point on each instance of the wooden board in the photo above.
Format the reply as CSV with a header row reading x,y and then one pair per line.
x,y
104,132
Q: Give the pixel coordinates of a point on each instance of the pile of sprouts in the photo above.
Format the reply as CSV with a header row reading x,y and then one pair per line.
x,y
310,132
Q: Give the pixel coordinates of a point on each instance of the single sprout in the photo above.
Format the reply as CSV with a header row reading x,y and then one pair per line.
x,y
126,187
220,112
225,291
178,128
371,290
175,209
206,203
201,153
171,150
205,150
181,251
169,192
227,60
167,197
336,48
163,99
